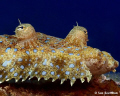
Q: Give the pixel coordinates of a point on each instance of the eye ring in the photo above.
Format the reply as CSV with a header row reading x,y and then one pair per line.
x,y
85,32
20,27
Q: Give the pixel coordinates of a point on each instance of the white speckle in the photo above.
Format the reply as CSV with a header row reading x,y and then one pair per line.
x,y
20,76
35,50
78,54
77,69
6,63
82,67
56,43
77,49
70,53
81,62
44,73
13,55
59,39
62,51
15,74
52,73
75,60
7,49
42,50
29,72
67,72
85,47
36,72
46,41
51,47
71,66
64,60
36,58
58,75
6,76
45,61
91,53
29,64
1,41
104,55
35,65
2,55
68,47
48,38
15,49
57,66
73,78
53,51
28,52
51,64
12,69
0,76
82,74
22,67
59,48
109,54
19,59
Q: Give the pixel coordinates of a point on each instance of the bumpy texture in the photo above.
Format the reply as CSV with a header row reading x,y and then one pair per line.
x,y
34,54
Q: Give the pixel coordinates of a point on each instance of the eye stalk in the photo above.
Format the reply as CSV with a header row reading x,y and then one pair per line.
x,y
25,31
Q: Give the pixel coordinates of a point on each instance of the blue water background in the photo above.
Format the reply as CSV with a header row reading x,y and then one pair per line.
x,y
57,18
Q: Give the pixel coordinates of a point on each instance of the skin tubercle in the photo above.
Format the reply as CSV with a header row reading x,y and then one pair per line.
x,y
50,60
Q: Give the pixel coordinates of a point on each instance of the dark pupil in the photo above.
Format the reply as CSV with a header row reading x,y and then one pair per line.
x,y
85,31
21,27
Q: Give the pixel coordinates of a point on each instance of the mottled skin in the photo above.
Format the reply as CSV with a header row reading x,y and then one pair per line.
x,y
34,54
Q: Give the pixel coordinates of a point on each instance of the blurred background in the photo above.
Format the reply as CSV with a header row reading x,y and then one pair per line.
x,y
57,17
